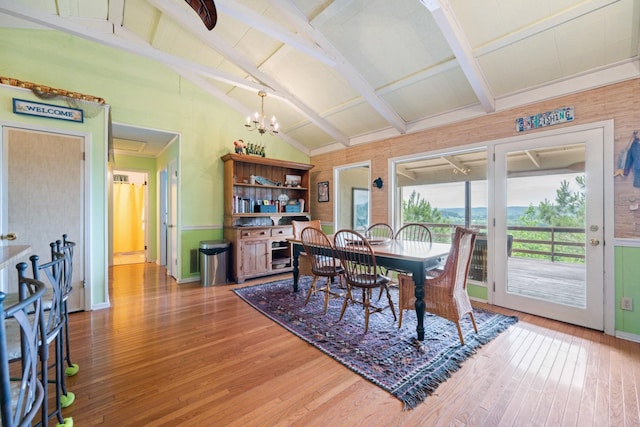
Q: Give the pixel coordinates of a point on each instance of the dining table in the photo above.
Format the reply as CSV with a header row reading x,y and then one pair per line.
x,y
399,255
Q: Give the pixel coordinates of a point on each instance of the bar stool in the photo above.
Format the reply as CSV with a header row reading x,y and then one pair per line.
x,y
66,247
52,275
21,333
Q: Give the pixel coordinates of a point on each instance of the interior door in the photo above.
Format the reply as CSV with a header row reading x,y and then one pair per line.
x,y
172,248
551,265
43,197
163,215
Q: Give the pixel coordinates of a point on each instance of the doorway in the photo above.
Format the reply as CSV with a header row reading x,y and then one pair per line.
x,y
558,181
43,188
352,181
130,217
162,203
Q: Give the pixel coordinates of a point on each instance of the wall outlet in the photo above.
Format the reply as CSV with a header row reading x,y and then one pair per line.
x,y
626,303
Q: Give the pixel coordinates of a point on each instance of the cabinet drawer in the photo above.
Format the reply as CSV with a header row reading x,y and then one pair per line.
x,y
255,233
282,232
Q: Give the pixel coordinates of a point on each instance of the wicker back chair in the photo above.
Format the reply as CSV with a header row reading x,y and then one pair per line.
x,y
304,263
361,271
380,230
445,295
324,263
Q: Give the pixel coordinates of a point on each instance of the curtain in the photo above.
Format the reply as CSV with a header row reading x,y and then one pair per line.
x,y
128,217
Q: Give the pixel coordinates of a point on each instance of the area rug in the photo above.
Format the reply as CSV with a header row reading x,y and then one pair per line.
x,y
390,358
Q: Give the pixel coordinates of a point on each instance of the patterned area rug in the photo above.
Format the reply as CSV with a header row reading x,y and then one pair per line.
x,y
390,358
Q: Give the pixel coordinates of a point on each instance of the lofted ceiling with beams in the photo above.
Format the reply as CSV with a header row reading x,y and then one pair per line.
x,y
345,72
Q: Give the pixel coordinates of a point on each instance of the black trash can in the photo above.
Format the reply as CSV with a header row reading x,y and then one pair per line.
x,y
214,262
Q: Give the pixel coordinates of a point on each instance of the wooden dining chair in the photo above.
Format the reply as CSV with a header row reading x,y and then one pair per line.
x,y
361,271
445,295
21,333
379,230
412,231
304,263
324,264
415,232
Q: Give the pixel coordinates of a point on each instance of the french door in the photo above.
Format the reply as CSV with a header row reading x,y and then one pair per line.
x,y
552,262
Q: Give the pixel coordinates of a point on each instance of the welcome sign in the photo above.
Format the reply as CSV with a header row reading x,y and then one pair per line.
x,y
30,108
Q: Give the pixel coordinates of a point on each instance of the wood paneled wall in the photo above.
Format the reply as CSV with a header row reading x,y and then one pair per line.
x,y
620,102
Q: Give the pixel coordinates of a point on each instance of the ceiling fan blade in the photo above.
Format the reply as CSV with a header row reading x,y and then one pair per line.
x,y
206,10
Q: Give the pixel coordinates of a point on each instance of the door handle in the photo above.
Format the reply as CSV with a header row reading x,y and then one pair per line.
x,y
8,236
594,242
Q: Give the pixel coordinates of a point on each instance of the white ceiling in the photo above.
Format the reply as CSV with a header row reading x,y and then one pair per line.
x,y
344,72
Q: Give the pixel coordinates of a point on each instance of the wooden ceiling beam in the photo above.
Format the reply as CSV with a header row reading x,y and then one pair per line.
x,y
451,29
127,44
273,30
342,65
458,165
210,38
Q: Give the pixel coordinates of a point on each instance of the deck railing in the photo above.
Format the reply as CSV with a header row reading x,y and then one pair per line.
x,y
565,244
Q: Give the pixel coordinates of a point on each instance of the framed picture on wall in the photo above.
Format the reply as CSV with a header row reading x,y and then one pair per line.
x,y
323,191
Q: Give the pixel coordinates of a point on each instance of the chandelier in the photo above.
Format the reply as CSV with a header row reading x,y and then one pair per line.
x,y
258,122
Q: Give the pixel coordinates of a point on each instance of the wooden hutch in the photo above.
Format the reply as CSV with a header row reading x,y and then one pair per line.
x,y
261,197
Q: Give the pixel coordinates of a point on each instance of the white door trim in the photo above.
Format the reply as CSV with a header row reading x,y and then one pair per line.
x,y
607,128
173,248
86,136
337,192
162,217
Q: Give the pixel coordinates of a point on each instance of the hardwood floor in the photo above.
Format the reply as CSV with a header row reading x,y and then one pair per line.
x,y
168,355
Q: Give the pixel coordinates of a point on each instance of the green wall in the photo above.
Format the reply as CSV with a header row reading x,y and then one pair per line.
x,y
627,284
143,93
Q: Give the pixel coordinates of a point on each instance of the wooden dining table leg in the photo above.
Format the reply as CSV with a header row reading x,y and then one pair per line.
x,y
296,249
418,280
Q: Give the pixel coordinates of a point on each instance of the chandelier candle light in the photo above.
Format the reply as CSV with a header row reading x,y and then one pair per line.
x,y
258,122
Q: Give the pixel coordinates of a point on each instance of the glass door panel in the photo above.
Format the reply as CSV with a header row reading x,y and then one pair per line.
x,y
549,216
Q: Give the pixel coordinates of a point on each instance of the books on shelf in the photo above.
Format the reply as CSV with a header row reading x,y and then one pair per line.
x,y
243,205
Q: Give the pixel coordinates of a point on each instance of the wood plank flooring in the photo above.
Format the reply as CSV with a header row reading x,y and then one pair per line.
x,y
173,355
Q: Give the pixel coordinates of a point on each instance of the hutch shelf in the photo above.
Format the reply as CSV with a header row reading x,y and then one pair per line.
x,y
261,197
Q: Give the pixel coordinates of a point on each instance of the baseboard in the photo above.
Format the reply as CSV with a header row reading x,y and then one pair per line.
x,y
188,280
628,336
100,306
